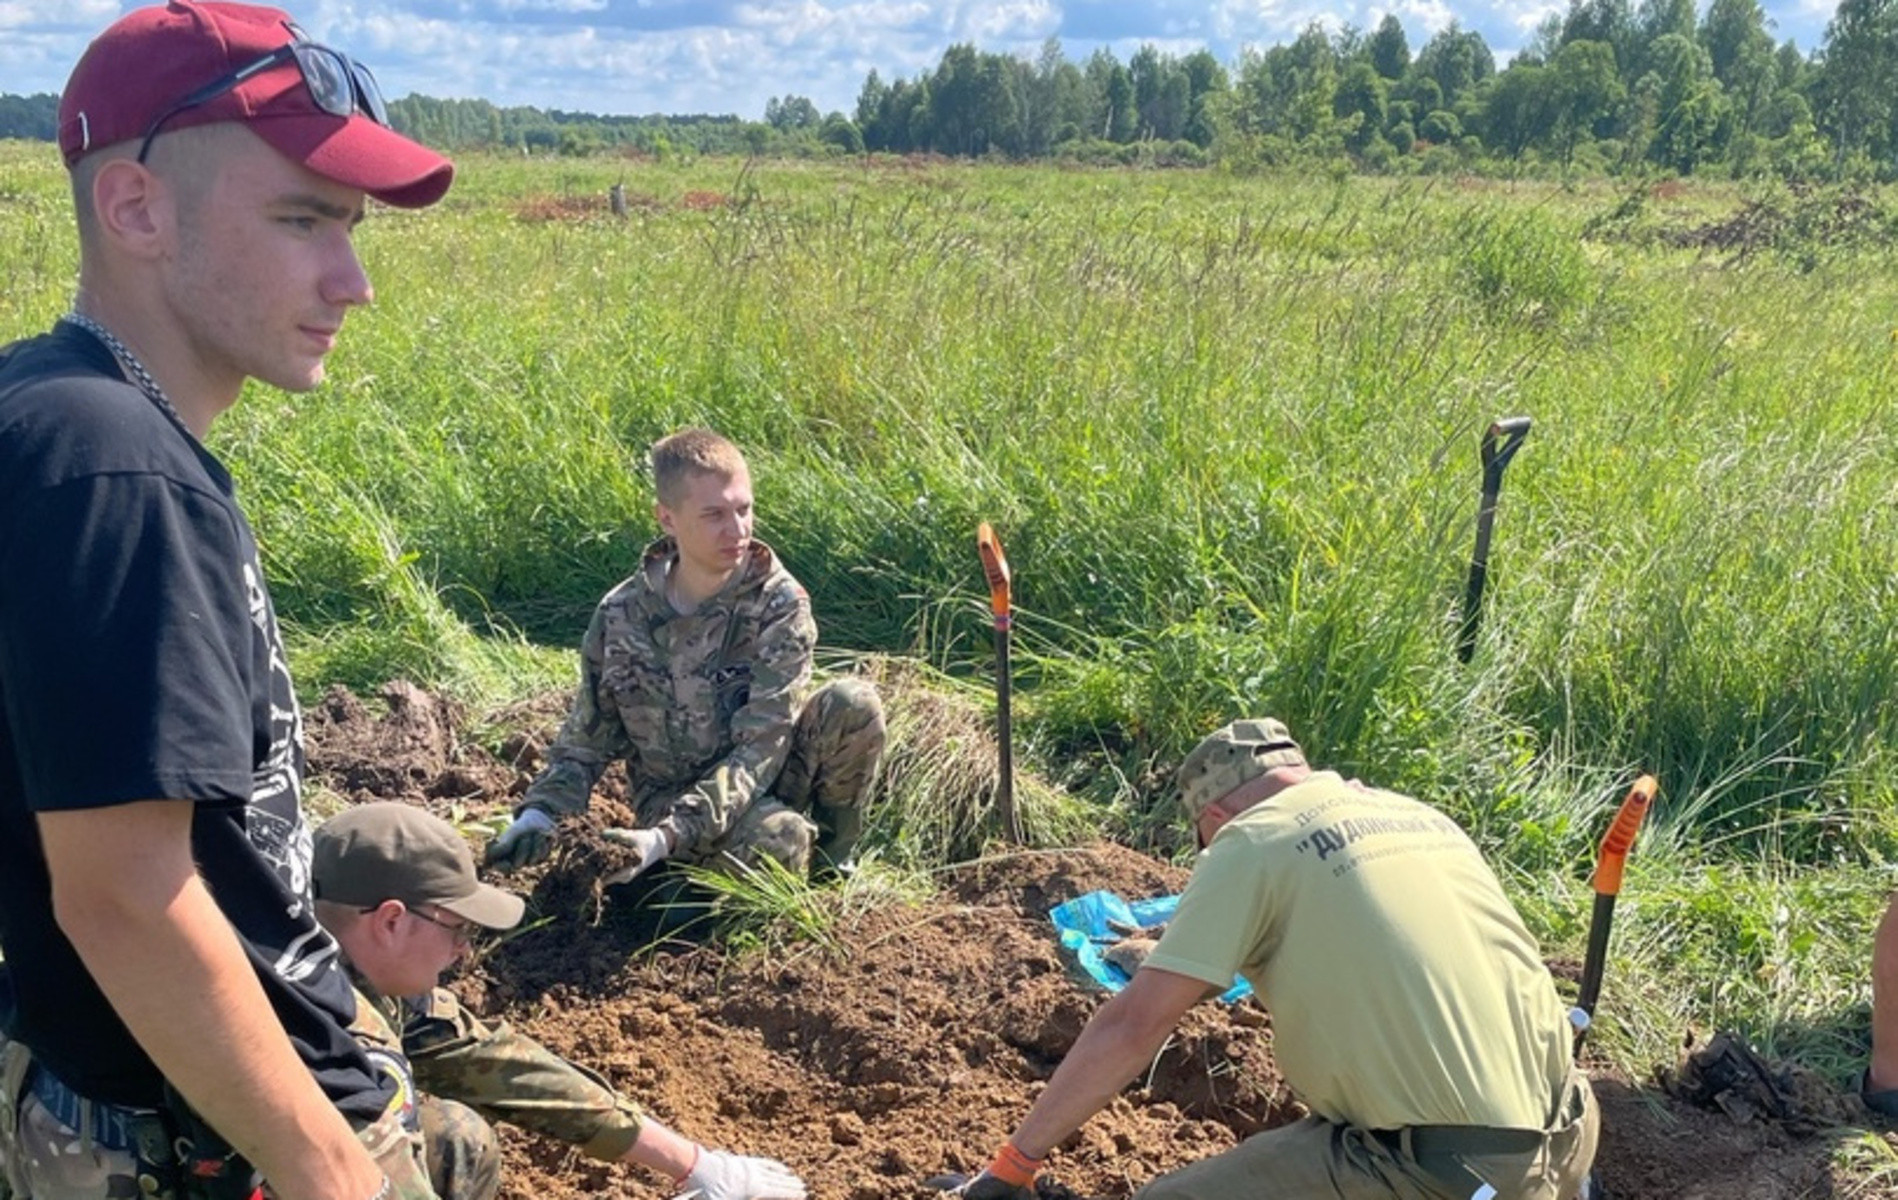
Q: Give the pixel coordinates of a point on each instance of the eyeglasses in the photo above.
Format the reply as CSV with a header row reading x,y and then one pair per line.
x,y
464,933
339,84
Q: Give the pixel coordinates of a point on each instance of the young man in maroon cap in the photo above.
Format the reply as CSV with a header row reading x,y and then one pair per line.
x,y
155,915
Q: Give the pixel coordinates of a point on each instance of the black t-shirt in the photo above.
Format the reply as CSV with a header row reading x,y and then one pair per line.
x,y
140,659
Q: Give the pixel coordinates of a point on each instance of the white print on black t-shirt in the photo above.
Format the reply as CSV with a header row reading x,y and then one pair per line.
x,y
280,774
311,953
275,822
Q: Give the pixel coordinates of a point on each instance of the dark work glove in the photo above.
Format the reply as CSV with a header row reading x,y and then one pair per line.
x,y
524,842
987,1187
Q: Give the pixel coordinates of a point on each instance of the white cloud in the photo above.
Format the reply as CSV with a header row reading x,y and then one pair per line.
x,y
810,19
1420,18
82,17
40,43
1525,18
1817,13
511,7
1268,22
1017,20
37,64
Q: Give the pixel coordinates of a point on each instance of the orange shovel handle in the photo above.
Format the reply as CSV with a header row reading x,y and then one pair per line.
x,y
995,566
1620,836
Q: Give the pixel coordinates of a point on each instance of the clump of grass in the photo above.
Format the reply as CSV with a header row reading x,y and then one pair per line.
x,y
1871,1159
766,908
940,775
1522,266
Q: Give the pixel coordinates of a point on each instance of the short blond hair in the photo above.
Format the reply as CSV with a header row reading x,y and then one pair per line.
x,y
689,452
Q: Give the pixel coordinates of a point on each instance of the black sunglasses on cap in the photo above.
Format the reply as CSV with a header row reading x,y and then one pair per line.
x,y
339,84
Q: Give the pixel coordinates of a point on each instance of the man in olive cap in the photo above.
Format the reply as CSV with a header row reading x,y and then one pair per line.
x,y
1411,1011
396,887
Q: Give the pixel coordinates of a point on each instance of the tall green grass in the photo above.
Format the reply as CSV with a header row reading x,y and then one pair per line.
x,y
1227,428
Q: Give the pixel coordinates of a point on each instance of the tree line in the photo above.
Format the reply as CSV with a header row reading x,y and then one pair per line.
x,y
1609,86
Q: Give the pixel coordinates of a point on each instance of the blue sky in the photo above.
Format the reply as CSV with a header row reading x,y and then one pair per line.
x,y
730,56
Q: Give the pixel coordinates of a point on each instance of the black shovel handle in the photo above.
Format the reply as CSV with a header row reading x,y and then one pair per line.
x,y
1005,744
1001,604
1500,443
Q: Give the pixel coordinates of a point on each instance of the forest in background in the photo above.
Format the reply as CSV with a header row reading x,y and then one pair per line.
x,y
1609,87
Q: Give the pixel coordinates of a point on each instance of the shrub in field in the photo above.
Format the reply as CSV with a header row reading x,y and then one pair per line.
x,y
1521,266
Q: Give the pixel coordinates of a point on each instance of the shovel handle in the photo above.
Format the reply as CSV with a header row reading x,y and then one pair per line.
x,y
1619,839
995,566
1615,845
1501,441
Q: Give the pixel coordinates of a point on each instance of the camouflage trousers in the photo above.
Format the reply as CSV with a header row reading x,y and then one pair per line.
x,y
45,1159
462,1152
824,786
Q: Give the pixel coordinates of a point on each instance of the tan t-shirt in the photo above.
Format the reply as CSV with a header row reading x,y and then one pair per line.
x,y
1403,987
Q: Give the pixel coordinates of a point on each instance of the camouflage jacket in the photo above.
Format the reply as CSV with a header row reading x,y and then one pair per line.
x,y
445,1050
700,705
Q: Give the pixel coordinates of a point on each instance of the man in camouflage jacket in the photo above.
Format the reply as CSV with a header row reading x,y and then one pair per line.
x,y
396,887
695,672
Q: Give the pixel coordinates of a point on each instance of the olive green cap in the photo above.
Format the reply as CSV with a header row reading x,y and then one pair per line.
x,y
387,850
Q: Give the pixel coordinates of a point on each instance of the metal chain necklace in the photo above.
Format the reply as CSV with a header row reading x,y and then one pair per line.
x,y
129,361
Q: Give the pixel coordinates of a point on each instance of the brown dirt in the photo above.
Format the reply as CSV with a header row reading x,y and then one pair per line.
x,y
912,1043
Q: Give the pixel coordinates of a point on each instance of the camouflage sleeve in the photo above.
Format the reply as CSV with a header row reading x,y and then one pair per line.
x,y
375,1031
506,1076
780,657
590,739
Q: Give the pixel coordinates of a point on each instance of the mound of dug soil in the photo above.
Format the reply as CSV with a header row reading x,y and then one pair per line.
x,y
912,1040
908,1047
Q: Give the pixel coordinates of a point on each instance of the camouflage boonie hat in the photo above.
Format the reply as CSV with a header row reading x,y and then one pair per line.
x,y
1235,755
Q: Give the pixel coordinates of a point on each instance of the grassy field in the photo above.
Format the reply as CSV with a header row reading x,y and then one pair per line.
x,y
1227,427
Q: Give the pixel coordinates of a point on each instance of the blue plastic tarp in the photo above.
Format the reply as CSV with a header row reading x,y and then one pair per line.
x,y
1086,931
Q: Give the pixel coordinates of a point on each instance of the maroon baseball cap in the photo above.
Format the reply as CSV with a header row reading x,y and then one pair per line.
x,y
148,61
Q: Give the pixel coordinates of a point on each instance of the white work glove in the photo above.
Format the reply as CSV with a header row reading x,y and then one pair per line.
x,y
721,1176
650,845
525,841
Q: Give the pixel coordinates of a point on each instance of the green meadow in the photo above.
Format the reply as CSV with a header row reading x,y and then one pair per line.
x,y
1227,427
